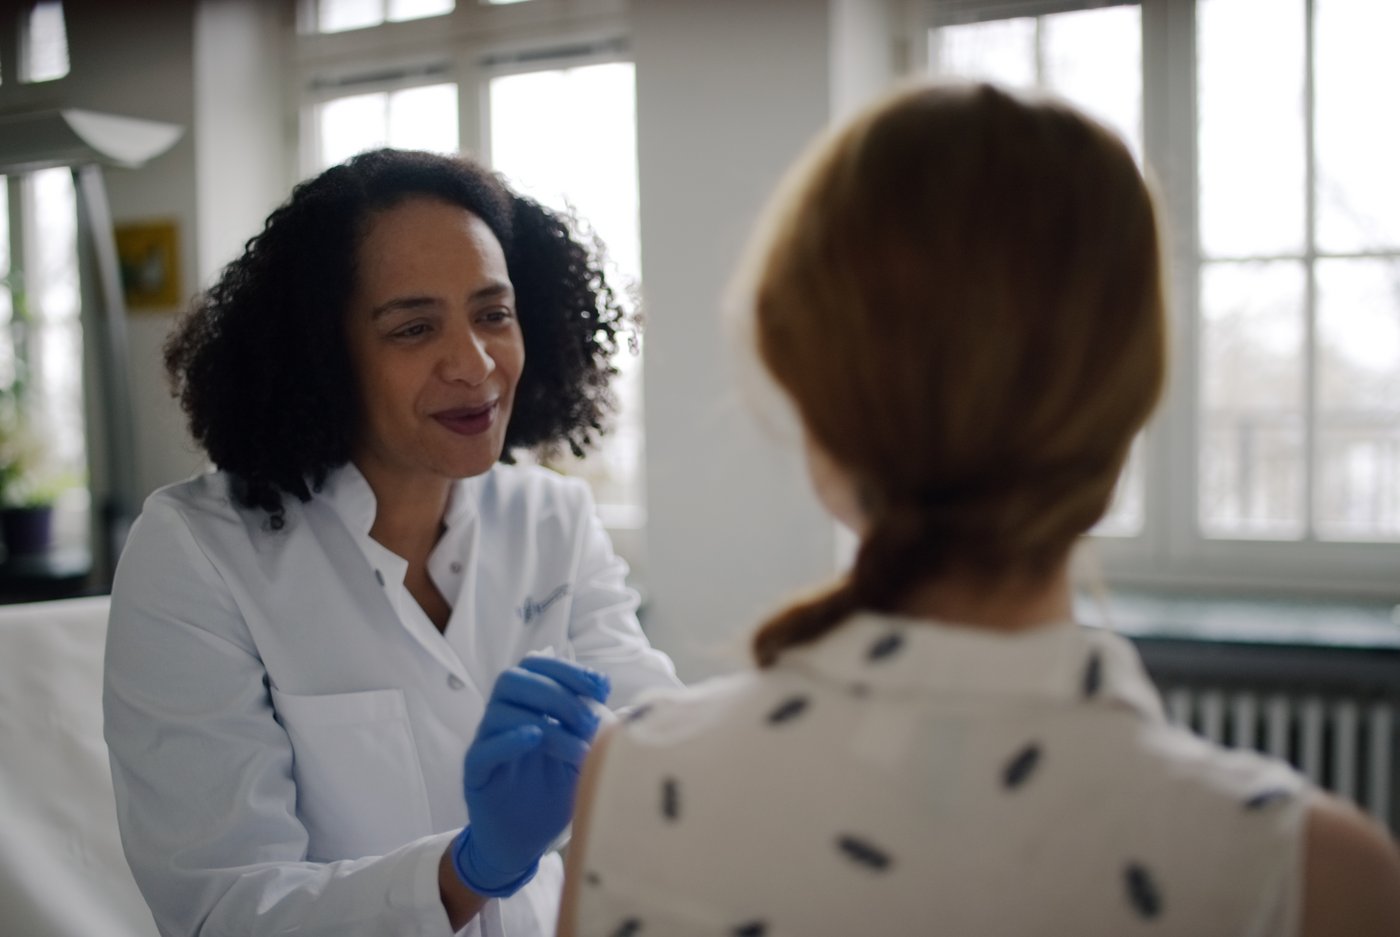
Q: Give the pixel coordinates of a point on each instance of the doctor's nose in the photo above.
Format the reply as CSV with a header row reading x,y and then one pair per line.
x,y
467,359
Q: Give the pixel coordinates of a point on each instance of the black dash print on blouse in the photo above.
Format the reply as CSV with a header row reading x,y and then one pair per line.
x,y
862,852
751,929
1019,769
628,928
885,646
788,710
671,799
1266,798
1142,891
1093,676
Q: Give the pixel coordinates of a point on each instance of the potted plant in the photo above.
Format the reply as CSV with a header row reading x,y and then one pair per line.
x,y
29,483
28,486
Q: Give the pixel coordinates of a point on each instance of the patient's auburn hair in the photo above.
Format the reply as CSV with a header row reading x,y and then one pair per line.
x,y
961,293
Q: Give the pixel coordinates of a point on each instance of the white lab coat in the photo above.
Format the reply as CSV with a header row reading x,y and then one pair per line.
x,y
286,726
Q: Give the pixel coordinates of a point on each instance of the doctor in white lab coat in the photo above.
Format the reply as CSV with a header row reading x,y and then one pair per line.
x,y
302,644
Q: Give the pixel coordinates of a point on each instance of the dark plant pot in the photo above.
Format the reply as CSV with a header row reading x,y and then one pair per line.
x,y
27,531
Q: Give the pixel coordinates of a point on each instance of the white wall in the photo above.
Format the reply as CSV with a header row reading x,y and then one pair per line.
x,y
243,146
729,92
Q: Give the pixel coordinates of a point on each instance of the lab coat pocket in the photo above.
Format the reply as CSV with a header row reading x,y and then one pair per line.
x,y
360,789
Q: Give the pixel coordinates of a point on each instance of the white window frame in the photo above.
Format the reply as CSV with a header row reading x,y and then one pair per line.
x,y
469,46
1171,552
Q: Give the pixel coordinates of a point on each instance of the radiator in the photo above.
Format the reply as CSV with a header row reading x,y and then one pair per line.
x,y
1345,744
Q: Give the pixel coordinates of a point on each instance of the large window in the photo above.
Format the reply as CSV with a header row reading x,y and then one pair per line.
x,y
1299,258
540,90
43,443
1276,459
43,450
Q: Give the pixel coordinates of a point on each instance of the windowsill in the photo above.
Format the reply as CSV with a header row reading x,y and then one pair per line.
x,y
1323,622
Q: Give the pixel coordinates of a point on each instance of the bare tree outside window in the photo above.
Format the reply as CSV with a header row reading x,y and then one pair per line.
x,y
1300,271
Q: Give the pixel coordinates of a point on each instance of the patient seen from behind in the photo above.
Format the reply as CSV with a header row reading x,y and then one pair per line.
x,y
961,294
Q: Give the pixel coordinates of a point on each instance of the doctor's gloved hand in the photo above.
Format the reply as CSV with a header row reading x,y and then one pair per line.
x,y
522,769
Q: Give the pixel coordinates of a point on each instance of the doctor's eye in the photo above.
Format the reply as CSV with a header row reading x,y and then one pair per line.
x,y
411,331
497,315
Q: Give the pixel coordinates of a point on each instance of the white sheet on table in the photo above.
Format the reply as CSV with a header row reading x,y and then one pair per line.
x,y
62,872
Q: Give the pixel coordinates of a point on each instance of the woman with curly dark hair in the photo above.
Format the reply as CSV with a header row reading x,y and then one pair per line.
x,y
304,643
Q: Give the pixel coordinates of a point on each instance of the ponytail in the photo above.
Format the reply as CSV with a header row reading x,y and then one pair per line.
x,y
985,529
898,552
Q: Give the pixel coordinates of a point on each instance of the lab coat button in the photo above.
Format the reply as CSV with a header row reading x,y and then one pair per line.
x,y
456,567
379,577
455,682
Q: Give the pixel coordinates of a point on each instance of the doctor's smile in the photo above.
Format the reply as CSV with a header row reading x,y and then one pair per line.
x,y
469,421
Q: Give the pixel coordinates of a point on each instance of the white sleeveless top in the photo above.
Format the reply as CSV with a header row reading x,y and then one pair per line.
x,y
900,777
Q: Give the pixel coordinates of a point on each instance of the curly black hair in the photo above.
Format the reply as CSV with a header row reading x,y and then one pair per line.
x,y
260,363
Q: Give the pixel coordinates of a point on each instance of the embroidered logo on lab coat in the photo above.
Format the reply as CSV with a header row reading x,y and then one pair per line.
x,y
532,609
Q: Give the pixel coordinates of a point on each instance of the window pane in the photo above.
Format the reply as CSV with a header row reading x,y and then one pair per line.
x,y
413,119
539,115
1090,57
534,118
53,279
400,10
1126,513
424,119
1252,412
352,125
1251,148
46,55
1358,149
998,50
1358,328
333,16
55,362
1094,58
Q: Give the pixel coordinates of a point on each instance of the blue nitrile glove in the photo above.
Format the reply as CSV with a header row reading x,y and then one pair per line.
x,y
522,769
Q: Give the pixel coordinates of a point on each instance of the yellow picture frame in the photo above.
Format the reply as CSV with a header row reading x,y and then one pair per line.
x,y
149,255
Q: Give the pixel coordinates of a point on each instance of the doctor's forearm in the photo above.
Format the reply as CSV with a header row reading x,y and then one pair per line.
x,y
461,903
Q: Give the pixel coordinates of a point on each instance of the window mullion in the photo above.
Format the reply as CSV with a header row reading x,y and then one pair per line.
x,y
1169,61
473,113
1310,427
15,202
1040,51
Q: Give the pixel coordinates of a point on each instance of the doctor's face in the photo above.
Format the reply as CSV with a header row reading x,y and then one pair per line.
x,y
435,344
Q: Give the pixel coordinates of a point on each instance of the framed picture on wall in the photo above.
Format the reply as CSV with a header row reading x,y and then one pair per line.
x,y
148,252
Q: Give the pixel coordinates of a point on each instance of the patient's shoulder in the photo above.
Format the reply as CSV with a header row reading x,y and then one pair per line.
x,y
1352,874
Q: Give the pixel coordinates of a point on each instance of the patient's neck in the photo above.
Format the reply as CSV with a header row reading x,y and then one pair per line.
x,y
1008,603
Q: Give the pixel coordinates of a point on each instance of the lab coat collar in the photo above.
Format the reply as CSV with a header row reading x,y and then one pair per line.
x,y
348,492
1059,663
